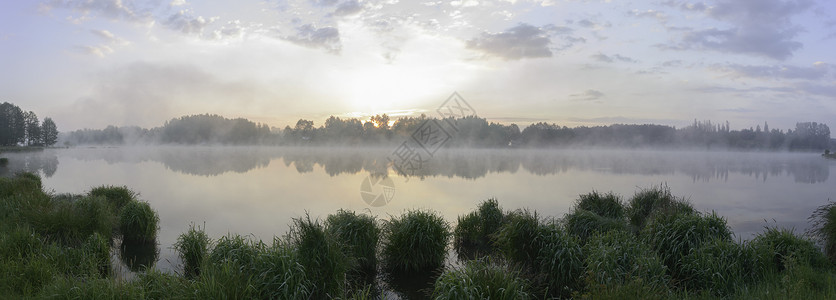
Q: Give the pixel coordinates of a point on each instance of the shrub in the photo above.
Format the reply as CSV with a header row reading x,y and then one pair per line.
x,y
617,258
561,261
481,279
673,236
518,238
193,248
322,256
583,224
117,196
823,228
415,242
138,222
606,205
360,234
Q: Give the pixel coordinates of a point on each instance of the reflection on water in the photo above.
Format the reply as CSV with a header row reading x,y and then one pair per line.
x,y
258,191
473,164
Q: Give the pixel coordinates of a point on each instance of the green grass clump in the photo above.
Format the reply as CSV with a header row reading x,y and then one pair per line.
x,y
138,256
71,222
561,261
4,161
192,247
138,222
617,258
481,279
583,224
654,201
279,274
323,257
823,228
774,246
117,196
606,205
360,233
22,184
97,249
674,236
719,267
518,238
415,242
472,237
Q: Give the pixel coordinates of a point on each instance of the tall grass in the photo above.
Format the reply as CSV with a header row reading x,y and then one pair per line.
x,y
674,236
561,261
481,279
138,256
606,205
192,247
416,241
519,238
583,224
775,246
71,222
618,258
719,267
823,228
474,232
360,234
117,196
649,202
138,222
323,257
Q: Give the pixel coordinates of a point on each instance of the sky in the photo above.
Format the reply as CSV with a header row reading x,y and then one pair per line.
x,y
93,63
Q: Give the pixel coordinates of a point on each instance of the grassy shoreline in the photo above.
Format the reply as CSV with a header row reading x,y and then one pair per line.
x,y
653,245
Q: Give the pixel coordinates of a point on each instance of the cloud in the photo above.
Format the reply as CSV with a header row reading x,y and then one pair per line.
x,y
650,13
111,9
308,35
100,51
817,71
610,59
587,95
186,23
348,8
521,41
757,27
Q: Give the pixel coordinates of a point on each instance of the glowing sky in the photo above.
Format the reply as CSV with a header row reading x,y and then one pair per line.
x,y
91,63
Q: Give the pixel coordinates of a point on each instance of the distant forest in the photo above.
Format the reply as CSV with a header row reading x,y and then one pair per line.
x,y
19,127
476,132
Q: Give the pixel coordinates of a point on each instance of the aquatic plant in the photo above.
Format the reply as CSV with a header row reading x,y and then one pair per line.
x,y
518,238
472,237
674,236
823,228
481,279
606,205
4,161
560,260
583,224
416,241
360,234
322,255
774,246
654,201
117,196
618,258
138,222
193,248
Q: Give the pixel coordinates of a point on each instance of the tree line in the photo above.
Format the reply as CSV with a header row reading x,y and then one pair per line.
x,y
19,127
469,131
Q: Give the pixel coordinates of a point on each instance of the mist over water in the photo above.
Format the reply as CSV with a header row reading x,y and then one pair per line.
x,y
258,190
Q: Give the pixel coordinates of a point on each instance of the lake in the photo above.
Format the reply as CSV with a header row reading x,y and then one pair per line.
x,y
258,190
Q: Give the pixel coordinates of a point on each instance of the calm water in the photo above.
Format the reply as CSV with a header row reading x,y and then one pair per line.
x,y
257,191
